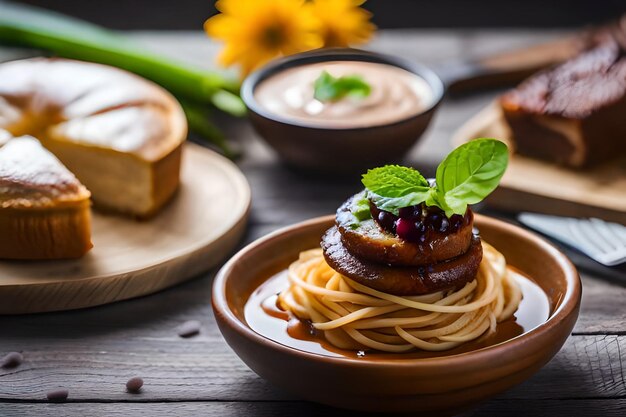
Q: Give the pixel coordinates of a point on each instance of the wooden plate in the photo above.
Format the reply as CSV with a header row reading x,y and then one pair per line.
x,y
201,226
533,185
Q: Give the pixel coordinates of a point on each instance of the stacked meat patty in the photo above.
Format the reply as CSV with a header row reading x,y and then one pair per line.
x,y
417,251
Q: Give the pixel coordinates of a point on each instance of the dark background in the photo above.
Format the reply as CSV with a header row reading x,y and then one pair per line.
x,y
190,14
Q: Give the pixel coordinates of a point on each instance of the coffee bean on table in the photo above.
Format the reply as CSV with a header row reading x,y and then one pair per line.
x,y
12,359
58,395
189,328
134,384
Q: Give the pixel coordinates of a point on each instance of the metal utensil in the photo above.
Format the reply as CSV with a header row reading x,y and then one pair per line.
x,y
602,241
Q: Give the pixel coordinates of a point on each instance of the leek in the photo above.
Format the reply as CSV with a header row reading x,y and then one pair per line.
x,y
28,26
199,123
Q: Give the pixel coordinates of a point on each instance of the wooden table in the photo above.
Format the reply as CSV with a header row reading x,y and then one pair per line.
x,y
93,352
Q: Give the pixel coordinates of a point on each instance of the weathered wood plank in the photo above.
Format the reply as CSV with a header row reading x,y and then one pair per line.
x,y
603,308
96,366
509,408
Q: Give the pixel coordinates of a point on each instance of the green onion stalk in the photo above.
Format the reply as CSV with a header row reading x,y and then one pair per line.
x,y
27,26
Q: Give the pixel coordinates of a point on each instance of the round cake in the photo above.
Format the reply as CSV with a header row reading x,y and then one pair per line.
x,y
120,134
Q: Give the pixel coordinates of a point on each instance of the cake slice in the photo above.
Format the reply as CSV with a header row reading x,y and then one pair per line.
x,y
121,157
574,114
44,209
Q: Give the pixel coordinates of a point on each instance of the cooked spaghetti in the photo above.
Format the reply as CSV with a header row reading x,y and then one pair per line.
x,y
354,316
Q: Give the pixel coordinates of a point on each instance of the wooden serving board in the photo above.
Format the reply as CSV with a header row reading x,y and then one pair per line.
x,y
194,232
534,185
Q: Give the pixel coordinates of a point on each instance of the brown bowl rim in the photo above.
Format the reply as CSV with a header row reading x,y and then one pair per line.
x,y
251,82
568,306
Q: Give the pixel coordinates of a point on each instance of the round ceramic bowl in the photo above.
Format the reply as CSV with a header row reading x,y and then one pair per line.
x,y
446,384
336,150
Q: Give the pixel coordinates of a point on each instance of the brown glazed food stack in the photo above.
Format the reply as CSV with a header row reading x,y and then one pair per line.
x,y
418,251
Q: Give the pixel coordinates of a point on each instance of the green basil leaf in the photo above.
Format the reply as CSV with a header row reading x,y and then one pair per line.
x,y
470,173
329,88
324,87
434,199
394,181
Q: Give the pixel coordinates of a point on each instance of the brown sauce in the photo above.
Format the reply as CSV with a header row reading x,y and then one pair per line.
x,y
266,318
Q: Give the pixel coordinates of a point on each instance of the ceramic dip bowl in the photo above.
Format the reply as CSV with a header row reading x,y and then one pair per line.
x,y
349,134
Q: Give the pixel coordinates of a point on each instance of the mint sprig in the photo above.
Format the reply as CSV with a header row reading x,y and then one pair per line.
x,y
466,176
329,88
394,181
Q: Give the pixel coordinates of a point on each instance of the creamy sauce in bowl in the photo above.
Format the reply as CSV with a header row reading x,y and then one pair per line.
x,y
396,94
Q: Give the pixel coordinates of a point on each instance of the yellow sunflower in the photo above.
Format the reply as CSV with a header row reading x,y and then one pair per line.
x,y
255,31
342,22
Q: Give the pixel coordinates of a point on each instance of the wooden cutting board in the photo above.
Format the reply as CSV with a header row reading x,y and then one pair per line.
x,y
533,185
194,232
